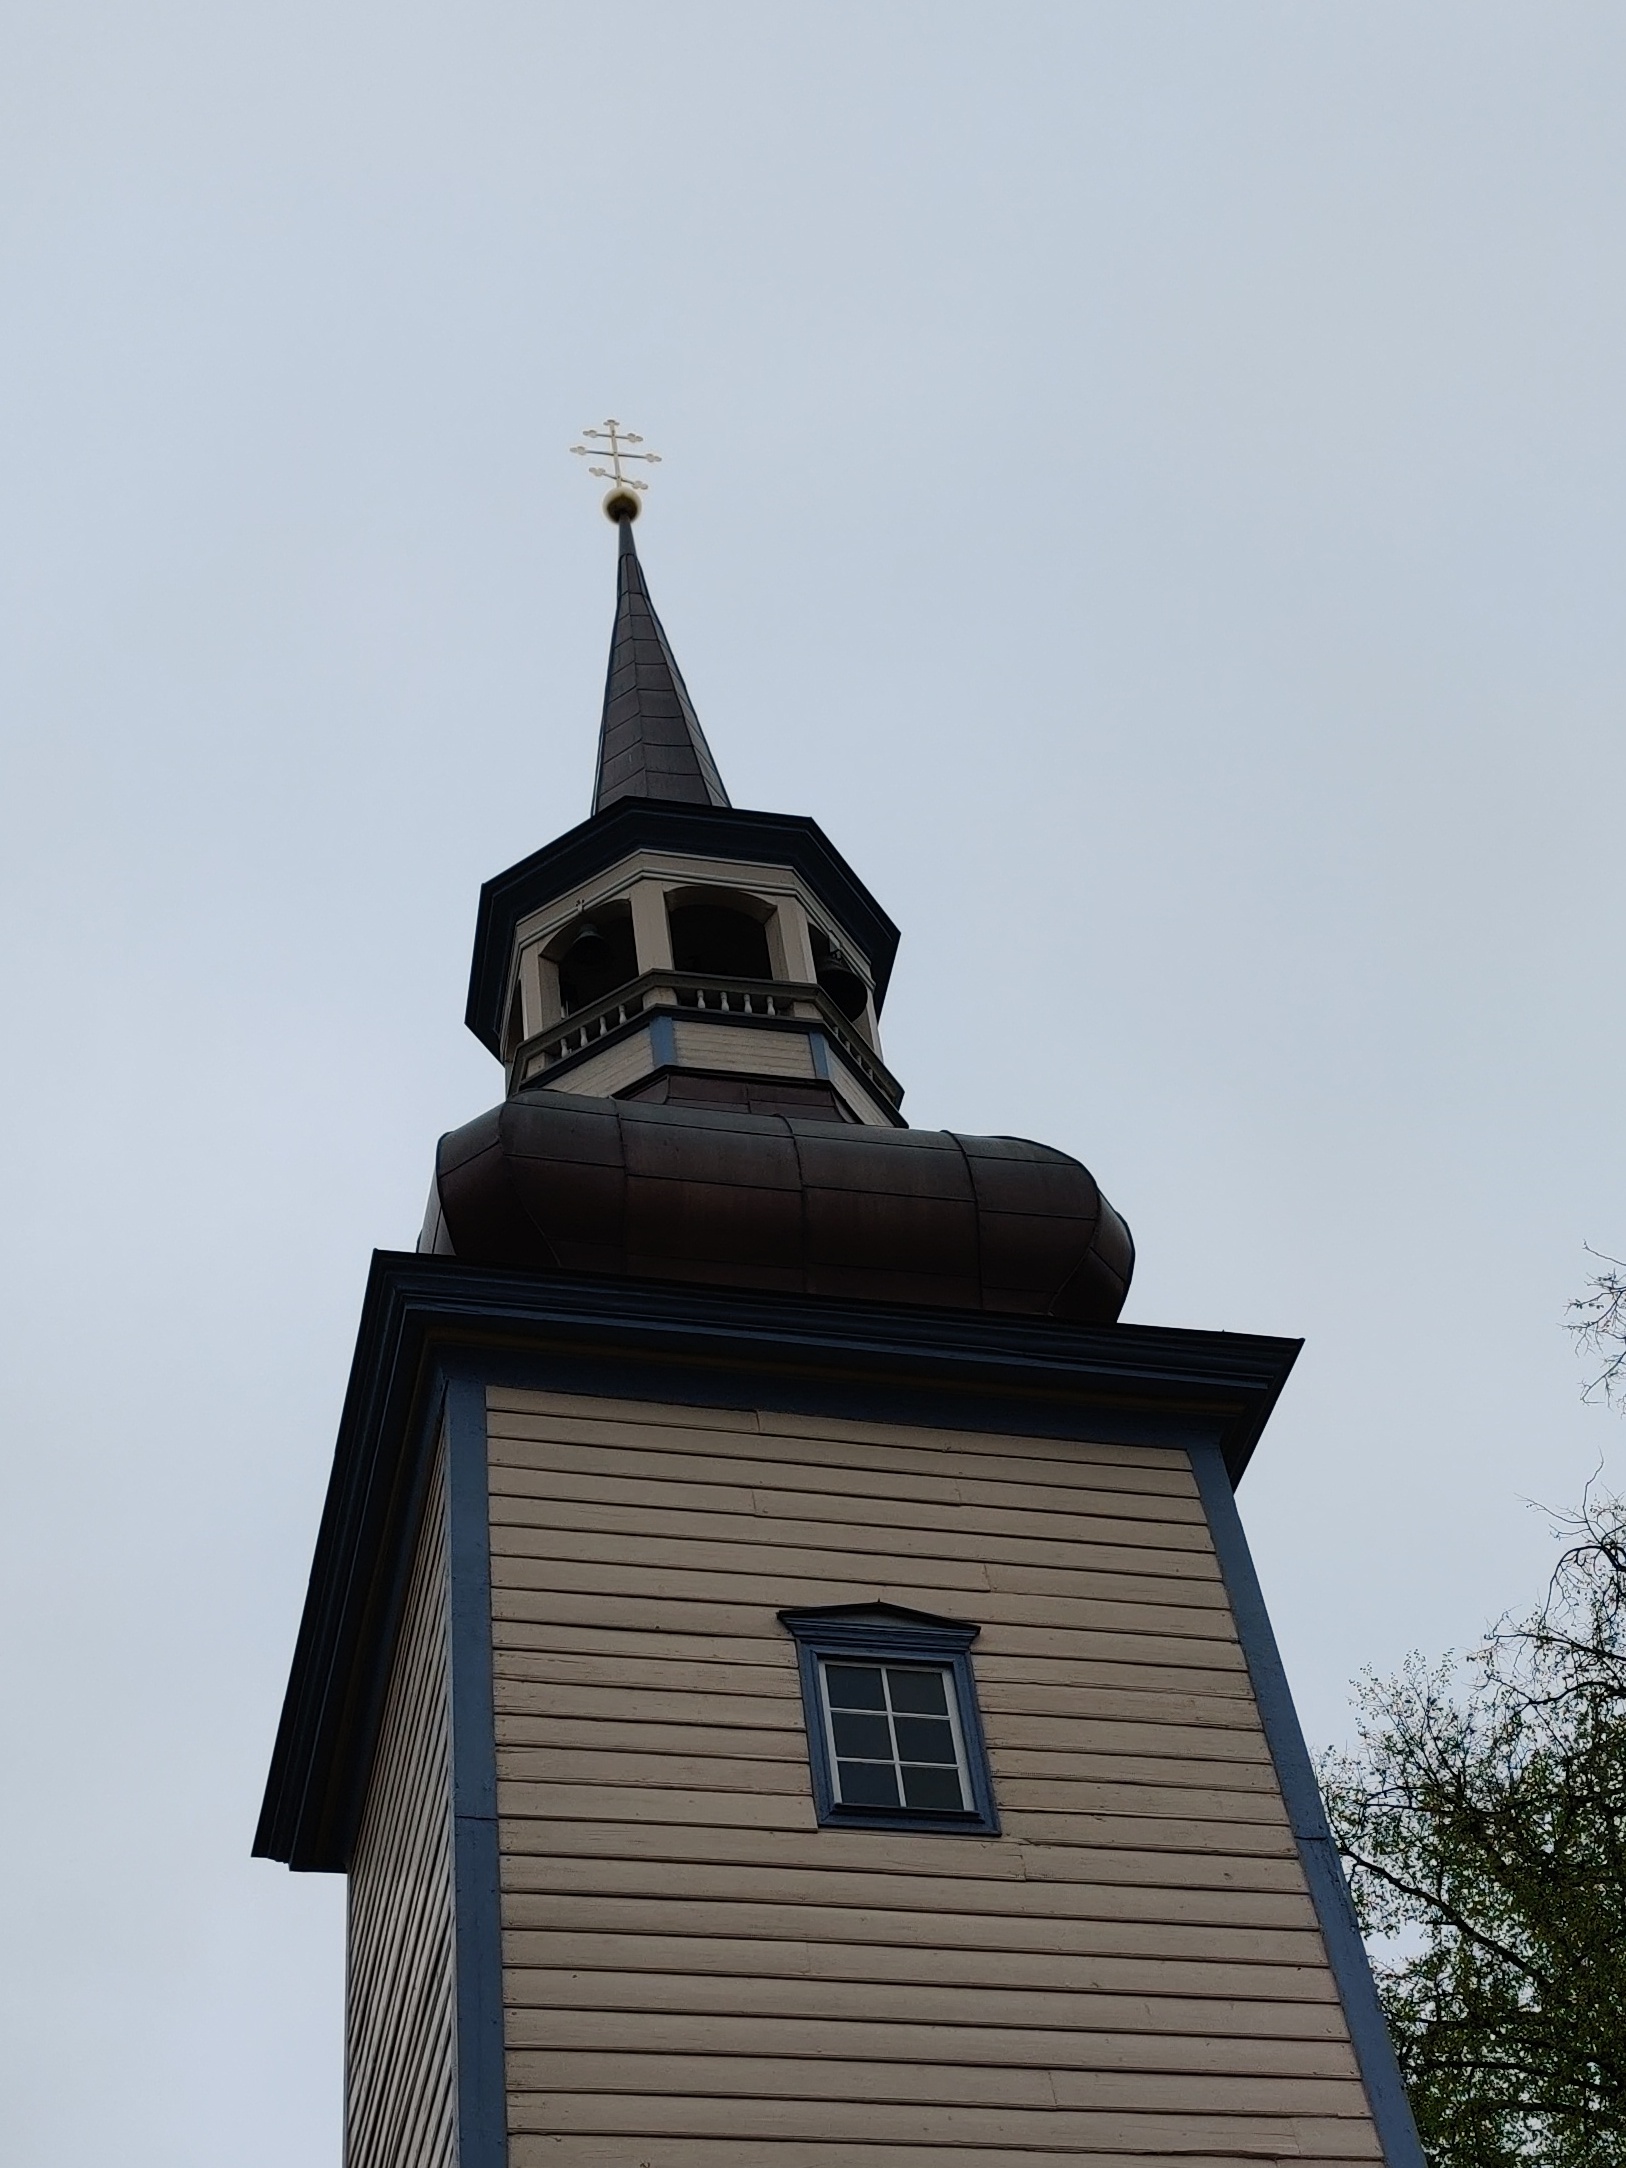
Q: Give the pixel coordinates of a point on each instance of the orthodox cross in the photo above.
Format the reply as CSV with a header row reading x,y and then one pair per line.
x,y
611,443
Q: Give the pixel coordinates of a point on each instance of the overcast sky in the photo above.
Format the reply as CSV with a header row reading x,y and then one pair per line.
x,y
1147,478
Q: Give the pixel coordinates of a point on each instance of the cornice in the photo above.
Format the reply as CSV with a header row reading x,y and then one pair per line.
x,y
428,1321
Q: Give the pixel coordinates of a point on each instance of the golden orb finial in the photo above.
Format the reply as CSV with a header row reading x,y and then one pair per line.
x,y
611,442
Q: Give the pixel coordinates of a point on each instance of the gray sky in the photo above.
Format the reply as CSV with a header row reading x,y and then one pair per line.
x,y
1147,479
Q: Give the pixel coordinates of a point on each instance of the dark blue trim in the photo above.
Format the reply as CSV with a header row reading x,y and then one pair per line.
x,y
886,1634
482,2107
1346,1953
819,1047
1127,1384
662,1038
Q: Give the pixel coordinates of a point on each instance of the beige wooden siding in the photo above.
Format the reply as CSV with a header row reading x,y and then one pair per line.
x,y
697,1976
399,2050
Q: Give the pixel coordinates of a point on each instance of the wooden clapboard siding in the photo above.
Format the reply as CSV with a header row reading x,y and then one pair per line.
x,y
653,1602
695,1972
1177,2032
562,1686
937,2079
971,1861
556,2027
1133,1523
1096,1544
1218,1696
754,1810
568,1874
535,1917
944,1955
1125,1760
399,2048
667,2098
590,2150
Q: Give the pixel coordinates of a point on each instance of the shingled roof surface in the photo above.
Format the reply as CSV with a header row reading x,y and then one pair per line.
x,y
650,744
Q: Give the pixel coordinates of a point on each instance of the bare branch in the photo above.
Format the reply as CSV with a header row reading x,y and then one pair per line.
x,y
1598,1321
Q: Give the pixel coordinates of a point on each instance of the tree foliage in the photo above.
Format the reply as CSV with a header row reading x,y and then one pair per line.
x,y
1483,1824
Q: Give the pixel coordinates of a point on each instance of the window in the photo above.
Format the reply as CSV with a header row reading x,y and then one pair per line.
x,y
894,1734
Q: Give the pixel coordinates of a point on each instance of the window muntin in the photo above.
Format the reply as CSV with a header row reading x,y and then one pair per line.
x,y
894,1732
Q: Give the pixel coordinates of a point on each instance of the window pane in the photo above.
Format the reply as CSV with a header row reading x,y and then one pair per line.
x,y
854,1686
923,1738
920,1693
865,1736
893,1735
932,1788
871,1784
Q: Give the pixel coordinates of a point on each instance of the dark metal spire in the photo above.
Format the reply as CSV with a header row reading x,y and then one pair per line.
x,y
650,744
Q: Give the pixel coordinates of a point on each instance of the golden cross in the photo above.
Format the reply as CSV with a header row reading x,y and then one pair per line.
x,y
610,443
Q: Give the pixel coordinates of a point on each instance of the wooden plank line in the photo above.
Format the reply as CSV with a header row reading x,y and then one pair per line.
x,y
1068,1544
1167,2023
756,1957
901,1854
1133,1471
938,2080
746,1600
544,1802
696,1743
530,1648
511,1412
535,1485
587,2149
962,2043
626,1692
721,1775
773,1548
529,1918
667,2113
720,1883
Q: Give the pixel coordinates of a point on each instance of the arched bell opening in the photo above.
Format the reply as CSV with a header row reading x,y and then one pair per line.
x,y
837,977
594,956
717,939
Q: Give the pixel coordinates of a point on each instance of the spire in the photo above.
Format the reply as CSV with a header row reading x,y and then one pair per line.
x,y
650,743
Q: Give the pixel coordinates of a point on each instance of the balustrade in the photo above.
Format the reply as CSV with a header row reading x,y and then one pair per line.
x,y
716,996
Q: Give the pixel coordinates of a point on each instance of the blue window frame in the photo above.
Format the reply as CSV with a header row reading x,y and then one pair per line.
x,y
894,1734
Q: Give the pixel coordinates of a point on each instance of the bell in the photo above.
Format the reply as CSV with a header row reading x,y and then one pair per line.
x,y
589,953
845,988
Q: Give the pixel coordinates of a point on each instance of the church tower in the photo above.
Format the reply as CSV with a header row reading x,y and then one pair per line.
x,y
782,1673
